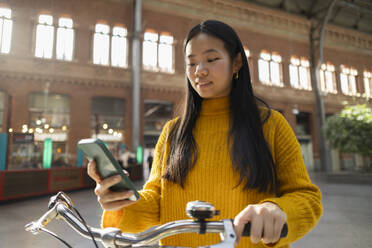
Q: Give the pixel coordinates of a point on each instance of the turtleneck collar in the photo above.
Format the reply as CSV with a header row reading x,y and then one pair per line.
x,y
215,106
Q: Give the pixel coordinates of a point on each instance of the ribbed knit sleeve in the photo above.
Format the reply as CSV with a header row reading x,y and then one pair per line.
x,y
144,213
298,197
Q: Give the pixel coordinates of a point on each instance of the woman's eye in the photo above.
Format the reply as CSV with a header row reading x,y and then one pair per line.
x,y
211,60
191,64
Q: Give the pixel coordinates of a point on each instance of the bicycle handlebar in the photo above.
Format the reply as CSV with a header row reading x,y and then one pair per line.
x,y
61,206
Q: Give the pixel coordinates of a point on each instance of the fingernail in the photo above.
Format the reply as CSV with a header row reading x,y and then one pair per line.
x,y
118,178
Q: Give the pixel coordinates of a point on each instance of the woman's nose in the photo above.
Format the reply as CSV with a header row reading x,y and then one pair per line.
x,y
201,70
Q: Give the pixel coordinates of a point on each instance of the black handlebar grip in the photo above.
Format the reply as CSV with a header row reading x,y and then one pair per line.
x,y
247,230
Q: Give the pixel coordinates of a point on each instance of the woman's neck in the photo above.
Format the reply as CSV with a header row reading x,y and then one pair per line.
x,y
215,106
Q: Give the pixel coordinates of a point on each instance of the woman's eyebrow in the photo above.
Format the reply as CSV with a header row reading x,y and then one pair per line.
x,y
207,51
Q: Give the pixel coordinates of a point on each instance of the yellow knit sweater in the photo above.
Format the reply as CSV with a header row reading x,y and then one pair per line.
x,y
213,180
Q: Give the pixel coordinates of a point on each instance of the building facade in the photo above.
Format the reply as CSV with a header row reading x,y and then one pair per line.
x,y
65,71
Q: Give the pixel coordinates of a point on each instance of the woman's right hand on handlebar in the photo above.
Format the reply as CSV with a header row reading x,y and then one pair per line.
x,y
108,199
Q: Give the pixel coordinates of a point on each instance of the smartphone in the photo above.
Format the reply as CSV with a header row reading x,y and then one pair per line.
x,y
107,165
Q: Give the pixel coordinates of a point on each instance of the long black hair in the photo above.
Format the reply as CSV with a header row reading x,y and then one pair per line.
x,y
249,151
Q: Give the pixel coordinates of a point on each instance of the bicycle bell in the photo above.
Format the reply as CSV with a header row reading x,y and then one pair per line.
x,y
201,210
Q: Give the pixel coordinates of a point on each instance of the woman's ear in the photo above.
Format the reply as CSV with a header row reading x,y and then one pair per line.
x,y
237,63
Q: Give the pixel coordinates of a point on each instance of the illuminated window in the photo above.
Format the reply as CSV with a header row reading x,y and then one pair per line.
x,y
269,69
101,45
44,37
166,53
158,52
327,78
5,29
348,80
368,83
119,47
299,73
65,39
150,51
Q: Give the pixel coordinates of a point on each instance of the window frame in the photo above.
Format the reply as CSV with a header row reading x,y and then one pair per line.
x,y
72,42
107,40
298,63
348,76
3,19
367,79
325,71
270,62
125,38
171,46
156,66
52,36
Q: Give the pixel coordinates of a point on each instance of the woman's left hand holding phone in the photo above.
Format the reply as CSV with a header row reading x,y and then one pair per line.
x,y
108,199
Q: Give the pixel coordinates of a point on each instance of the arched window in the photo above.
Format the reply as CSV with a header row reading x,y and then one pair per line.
x,y
299,73
119,46
327,78
157,53
368,83
166,53
150,51
101,45
270,69
65,39
348,80
6,24
44,37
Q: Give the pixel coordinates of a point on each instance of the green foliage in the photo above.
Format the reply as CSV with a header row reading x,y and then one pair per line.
x,y
351,130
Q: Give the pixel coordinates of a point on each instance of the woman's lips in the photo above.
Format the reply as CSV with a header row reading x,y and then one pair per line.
x,y
203,85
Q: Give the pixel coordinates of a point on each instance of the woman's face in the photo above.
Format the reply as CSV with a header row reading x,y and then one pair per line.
x,y
208,66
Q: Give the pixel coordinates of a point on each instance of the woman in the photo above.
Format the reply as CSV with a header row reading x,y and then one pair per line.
x,y
224,149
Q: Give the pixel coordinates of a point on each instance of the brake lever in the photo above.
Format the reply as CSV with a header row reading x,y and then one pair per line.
x,y
60,197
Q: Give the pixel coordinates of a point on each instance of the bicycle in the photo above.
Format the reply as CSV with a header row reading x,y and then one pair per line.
x,y
61,206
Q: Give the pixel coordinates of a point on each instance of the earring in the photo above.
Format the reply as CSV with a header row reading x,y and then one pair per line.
x,y
236,76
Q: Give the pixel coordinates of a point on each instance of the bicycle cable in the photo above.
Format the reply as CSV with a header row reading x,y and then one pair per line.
x,y
86,226
56,236
63,241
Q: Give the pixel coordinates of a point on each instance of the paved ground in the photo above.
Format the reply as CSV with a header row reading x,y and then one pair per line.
x,y
347,218
346,222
